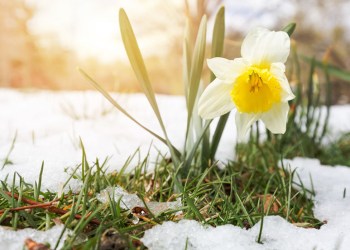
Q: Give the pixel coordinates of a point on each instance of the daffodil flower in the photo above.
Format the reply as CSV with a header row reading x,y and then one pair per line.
x,y
254,84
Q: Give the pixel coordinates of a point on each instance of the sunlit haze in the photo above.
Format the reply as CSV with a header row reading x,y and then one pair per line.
x,y
91,27
47,40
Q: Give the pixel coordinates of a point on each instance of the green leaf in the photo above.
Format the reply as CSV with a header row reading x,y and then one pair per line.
x,y
218,134
217,51
138,65
217,48
136,60
310,92
191,155
289,29
217,45
205,151
186,61
196,67
120,108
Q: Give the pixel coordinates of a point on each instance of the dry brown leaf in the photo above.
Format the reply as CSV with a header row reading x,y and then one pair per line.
x,y
271,203
33,245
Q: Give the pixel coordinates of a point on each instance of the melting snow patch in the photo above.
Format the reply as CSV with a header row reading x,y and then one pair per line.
x,y
10,239
129,201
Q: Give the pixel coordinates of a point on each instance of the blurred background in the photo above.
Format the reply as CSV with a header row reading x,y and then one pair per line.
x,y
43,42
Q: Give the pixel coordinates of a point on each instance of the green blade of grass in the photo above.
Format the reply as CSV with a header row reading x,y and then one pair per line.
x,y
188,199
3,216
7,158
242,207
37,186
84,163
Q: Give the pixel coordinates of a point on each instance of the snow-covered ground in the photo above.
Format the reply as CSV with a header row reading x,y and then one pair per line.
x,y
48,127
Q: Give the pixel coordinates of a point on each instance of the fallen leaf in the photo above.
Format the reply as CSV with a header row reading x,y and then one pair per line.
x,y
271,203
33,245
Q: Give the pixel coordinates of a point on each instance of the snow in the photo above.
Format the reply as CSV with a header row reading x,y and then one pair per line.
x,y
49,126
330,185
277,234
129,201
10,239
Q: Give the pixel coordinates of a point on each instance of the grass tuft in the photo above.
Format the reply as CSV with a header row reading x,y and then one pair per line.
x,y
241,194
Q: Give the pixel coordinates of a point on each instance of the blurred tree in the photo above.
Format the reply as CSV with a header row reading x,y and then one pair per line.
x,y
322,33
195,10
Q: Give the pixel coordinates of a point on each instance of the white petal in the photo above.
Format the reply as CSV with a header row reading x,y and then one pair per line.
x,y
215,100
225,69
277,69
276,118
243,123
265,46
